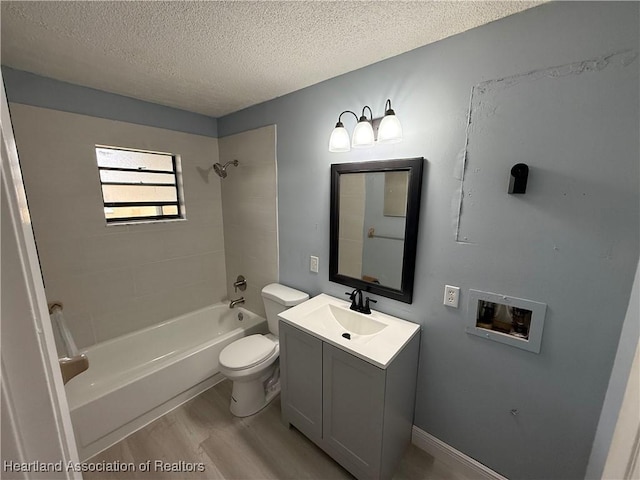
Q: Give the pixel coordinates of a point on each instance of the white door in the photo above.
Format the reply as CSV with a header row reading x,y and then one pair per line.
x,y
36,426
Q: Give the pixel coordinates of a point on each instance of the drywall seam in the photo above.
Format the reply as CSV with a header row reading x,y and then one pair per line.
x,y
625,57
459,169
597,64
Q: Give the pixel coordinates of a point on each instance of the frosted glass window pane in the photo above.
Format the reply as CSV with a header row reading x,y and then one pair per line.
x,y
170,210
136,177
108,157
129,212
137,193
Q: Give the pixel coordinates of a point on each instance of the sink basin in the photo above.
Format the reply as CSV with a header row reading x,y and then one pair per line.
x,y
337,321
376,338
357,323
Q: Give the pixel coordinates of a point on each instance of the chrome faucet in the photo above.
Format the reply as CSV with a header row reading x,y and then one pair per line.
x,y
235,302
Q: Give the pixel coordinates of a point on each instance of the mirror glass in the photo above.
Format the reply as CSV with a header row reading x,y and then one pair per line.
x,y
373,212
374,219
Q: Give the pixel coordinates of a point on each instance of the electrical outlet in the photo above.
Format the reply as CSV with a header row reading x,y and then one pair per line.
x,y
313,264
451,296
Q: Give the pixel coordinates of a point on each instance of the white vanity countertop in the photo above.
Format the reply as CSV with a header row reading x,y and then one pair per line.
x,y
315,317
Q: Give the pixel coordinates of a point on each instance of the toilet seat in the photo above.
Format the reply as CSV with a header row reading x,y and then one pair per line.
x,y
247,352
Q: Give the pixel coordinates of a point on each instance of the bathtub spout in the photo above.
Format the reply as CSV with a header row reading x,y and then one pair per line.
x,y
235,302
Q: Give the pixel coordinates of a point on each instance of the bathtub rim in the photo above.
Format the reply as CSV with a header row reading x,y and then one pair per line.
x,y
165,322
127,379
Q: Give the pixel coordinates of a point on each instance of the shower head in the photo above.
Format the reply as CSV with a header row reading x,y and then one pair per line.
x,y
222,170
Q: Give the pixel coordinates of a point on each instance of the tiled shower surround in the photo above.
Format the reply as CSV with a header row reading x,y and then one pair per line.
x,y
117,279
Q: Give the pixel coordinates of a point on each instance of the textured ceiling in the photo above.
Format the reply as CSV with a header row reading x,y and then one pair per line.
x,y
217,57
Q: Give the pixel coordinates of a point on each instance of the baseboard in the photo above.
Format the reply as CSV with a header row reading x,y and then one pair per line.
x,y
450,456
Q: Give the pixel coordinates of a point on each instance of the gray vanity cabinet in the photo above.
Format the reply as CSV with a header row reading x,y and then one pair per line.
x,y
301,380
353,408
358,413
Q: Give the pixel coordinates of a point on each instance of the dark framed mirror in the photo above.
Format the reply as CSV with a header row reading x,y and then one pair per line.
x,y
375,208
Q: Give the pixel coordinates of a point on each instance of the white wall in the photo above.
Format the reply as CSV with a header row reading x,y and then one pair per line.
x,y
249,199
119,278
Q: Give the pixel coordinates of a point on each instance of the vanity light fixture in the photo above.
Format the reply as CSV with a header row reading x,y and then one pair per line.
x,y
389,130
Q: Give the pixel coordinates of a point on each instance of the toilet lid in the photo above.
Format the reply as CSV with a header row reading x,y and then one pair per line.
x,y
246,352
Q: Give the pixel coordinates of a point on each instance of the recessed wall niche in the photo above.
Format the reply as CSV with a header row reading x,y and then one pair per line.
x,y
510,320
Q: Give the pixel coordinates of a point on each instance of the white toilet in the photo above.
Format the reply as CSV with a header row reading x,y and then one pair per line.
x,y
252,362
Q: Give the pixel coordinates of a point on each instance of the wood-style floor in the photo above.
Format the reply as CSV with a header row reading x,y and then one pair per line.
x,y
257,447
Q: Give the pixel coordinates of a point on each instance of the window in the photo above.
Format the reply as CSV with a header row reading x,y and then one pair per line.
x,y
138,185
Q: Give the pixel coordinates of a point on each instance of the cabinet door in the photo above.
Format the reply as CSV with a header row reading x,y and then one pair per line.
x,y
301,380
353,403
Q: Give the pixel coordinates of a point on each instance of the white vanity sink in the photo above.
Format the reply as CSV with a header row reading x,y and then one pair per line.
x,y
346,323
376,338
356,322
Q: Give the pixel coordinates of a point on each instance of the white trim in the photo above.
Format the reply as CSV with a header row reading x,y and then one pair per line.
x,y
11,439
275,162
616,444
450,456
622,460
26,323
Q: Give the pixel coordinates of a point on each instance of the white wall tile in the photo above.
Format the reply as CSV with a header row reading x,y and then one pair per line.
x,y
114,279
167,275
249,202
157,307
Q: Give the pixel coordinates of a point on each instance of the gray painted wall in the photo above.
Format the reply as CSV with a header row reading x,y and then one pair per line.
x,y
30,89
583,208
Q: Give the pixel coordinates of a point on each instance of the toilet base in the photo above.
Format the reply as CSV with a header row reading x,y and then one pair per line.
x,y
248,398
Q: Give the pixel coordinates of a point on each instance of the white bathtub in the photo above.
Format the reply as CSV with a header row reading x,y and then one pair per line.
x,y
136,378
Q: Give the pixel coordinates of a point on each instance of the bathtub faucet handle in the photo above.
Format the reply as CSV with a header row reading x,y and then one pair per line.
x,y
240,283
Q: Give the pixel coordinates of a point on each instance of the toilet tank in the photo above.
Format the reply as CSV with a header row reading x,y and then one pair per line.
x,y
277,298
